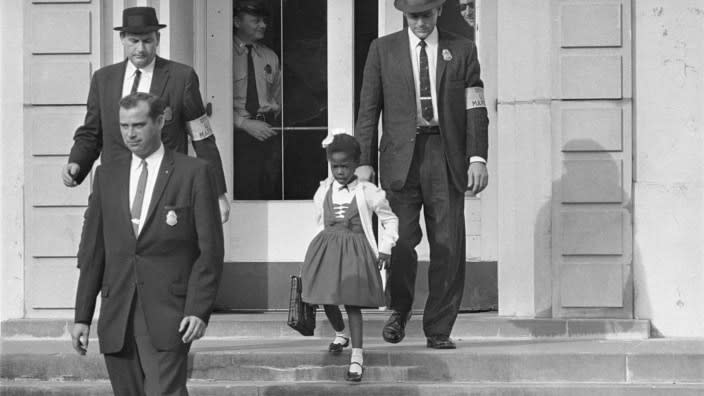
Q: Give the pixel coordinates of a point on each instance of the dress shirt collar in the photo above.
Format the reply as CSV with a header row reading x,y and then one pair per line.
x,y
241,47
148,69
153,159
431,40
350,186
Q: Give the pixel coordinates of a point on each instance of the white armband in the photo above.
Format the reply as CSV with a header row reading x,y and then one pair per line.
x,y
474,98
199,128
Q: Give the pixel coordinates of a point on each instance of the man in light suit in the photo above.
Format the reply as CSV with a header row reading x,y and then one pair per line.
x,y
433,148
143,71
152,246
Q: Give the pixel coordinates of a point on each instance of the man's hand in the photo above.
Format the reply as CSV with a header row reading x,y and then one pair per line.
x,y
384,261
259,130
365,173
478,177
192,328
69,173
224,204
79,337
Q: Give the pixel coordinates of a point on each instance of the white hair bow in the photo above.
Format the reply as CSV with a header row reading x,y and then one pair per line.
x,y
331,136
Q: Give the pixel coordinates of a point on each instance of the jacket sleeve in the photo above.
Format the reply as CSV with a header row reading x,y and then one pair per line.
x,y
370,106
476,117
388,234
206,148
91,257
205,274
318,203
88,138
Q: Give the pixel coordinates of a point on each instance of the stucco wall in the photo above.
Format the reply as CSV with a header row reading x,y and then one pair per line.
x,y
669,165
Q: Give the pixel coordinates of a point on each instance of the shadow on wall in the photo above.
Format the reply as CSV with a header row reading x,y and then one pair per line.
x,y
583,239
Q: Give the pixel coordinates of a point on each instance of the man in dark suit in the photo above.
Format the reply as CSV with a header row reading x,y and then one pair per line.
x,y
143,71
433,148
152,246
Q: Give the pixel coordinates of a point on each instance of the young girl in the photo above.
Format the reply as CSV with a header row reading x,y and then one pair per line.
x,y
342,263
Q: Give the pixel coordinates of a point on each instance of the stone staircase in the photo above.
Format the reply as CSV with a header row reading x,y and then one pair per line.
x,y
257,354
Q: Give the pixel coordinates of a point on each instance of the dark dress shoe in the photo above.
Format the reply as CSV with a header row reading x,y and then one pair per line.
x,y
337,348
440,342
395,328
354,377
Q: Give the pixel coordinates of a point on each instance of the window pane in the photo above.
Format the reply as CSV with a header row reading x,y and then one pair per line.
x,y
305,63
305,163
257,166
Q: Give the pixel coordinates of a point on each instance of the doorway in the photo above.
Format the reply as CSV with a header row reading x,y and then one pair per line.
x,y
321,47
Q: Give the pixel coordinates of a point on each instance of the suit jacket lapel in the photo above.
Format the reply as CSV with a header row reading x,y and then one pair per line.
x,y
441,63
116,82
162,179
121,192
401,51
160,77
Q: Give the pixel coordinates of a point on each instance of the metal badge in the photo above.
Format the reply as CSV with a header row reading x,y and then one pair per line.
x,y
446,55
171,218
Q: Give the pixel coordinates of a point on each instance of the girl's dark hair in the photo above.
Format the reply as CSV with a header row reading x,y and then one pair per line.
x,y
344,143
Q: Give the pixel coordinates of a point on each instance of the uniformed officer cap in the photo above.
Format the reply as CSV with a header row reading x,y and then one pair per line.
x,y
251,7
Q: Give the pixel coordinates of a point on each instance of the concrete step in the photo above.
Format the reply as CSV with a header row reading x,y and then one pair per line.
x,y
468,326
661,361
340,388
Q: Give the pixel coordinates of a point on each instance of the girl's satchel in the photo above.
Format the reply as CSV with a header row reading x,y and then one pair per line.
x,y
301,315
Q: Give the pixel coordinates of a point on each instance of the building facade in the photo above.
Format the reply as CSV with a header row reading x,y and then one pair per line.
x,y
596,200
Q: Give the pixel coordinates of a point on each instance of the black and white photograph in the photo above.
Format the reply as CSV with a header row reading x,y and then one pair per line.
x,y
351,197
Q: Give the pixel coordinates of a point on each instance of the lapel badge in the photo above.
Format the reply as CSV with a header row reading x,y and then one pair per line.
x,y
168,113
171,218
267,69
446,55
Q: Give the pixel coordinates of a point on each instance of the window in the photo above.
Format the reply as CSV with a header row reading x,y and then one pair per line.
x,y
290,64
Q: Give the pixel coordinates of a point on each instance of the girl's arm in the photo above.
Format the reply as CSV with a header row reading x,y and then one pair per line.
x,y
318,199
388,234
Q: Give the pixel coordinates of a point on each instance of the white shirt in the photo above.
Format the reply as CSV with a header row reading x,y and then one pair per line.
x,y
342,196
145,80
153,165
431,49
345,195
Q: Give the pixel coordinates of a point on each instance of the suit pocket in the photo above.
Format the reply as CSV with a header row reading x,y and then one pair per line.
x,y
178,289
105,292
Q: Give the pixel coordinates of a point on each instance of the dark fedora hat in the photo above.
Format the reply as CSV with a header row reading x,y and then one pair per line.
x,y
417,5
139,20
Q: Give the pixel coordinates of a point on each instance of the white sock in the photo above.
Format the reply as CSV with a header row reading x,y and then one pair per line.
x,y
358,358
340,338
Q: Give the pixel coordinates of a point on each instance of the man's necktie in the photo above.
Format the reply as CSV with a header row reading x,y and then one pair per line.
x,y
252,103
135,83
426,100
139,198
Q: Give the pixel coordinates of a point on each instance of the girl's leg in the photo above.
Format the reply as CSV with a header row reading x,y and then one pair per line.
x,y
335,317
338,324
354,315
